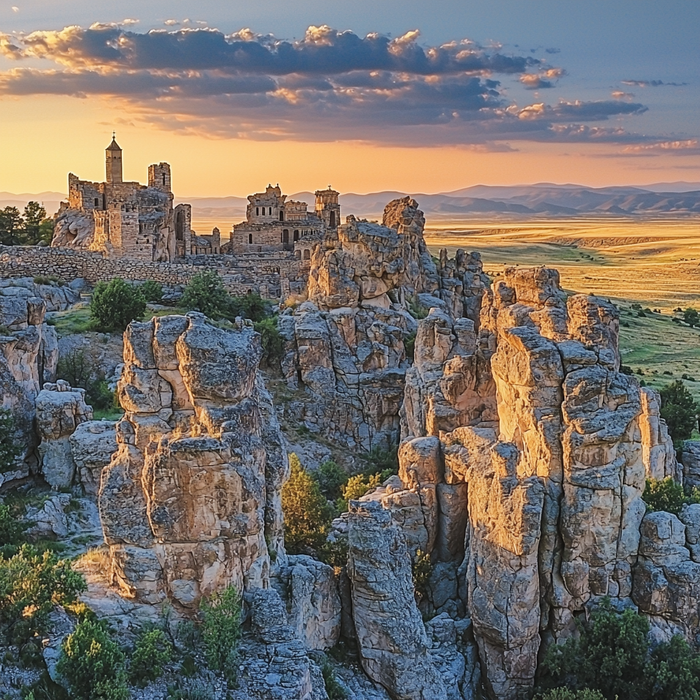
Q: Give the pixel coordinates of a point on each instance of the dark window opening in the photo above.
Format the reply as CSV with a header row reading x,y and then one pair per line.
x,y
285,236
250,239
296,236
281,216
332,219
163,179
257,211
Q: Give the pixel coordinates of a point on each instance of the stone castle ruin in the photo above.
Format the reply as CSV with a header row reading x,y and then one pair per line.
x,y
275,224
127,219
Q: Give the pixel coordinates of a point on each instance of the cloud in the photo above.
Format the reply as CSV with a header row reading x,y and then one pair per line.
x,y
15,9
621,95
651,83
545,79
329,85
129,22
687,147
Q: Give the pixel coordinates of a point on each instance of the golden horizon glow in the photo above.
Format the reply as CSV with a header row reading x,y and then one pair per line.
x,y
39,153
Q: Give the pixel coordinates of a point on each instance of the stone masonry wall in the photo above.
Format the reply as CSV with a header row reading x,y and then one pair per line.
x,y
239,276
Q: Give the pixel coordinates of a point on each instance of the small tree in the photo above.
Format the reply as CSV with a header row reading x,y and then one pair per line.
x,y
679,409
691,317
307,513
152,291
271,340
9,447
11,226
668,495
250,306
609,656
221,630
205,292
37,228
331,478
115,305
152,651
93,664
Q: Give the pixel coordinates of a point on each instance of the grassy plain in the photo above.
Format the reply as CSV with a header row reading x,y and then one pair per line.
x,y
655,263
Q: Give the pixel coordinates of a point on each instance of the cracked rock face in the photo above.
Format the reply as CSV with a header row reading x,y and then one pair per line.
x,y
59,411
346,346
190,501
28,358
531,488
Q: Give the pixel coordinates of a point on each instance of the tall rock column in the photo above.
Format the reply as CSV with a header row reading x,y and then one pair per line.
x,y
190,501
394,647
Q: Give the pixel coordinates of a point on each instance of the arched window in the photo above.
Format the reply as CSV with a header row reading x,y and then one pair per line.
x,y
332,219
257,211
307,254
250,239
285,236
97,202
270,211
281,216
296,235
163,179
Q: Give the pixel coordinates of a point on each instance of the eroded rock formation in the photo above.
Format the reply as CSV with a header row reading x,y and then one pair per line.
x,y
346,346
28,358
529,468
190,501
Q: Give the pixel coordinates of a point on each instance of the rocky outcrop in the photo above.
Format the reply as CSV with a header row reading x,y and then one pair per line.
x,y
393,645
658,453
314,608
28,358
190,501
667,577
528,466
346,346
92,445
273,663
690,460
59,411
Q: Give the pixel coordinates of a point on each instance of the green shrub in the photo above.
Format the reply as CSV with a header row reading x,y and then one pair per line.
x,y
250,306
384,460
673,672
307,513
566,694
356,487
335,553
80,371
221,630
152,291
9,446
93,664
609,656
191,691
691,317
115,305
152,652
409,344
668,495
272,341
422,569
331,478
206,293
334,690
679,409
12,528
30,585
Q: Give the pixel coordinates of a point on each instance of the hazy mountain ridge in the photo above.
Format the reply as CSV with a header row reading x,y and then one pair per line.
x,y
538,200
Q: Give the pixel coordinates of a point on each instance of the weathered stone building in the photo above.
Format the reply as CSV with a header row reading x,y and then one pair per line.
x,y
274,224
127,219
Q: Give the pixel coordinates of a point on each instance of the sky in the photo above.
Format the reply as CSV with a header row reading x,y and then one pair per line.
x,y
367,95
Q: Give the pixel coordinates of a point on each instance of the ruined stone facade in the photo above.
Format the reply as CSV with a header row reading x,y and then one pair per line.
x,y
127,219
275,224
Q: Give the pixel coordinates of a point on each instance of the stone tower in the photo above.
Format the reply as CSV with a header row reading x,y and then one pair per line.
x,y
327,207
113,162
159,177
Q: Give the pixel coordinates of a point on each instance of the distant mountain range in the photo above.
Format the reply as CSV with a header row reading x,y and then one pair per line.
x,y
542,200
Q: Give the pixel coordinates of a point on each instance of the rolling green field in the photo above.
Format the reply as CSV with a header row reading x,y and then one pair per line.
x,y
652,263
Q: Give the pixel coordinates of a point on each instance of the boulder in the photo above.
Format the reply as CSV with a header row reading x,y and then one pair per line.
x,y
92,445
59,411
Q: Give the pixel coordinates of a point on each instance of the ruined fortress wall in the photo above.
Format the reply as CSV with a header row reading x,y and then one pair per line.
x,y
268,277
